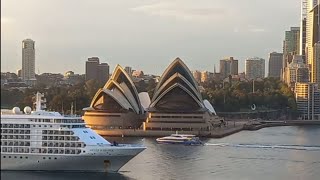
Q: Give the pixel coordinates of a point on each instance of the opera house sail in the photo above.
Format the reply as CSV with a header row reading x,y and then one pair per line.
x,y
116,105
177,103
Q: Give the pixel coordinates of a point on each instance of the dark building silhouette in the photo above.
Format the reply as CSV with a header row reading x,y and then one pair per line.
x,y
97,71
275,64
228,66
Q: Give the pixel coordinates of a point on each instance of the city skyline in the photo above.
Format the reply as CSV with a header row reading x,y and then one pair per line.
x,y
202,34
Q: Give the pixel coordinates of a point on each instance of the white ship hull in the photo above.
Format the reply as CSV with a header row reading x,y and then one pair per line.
x,y
48,141
63,163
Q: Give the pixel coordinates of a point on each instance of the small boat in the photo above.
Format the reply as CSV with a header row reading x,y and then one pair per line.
x,y
186,139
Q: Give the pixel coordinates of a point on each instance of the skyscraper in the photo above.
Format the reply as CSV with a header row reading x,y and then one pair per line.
x,y
103,73
291,45
255,68
28,61
204,76
97,71
308,100
316,73
228,66
303,29
313,38
296,71
197,75
275,64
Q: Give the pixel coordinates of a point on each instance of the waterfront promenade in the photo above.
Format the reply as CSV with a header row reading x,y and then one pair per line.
x,y
232,126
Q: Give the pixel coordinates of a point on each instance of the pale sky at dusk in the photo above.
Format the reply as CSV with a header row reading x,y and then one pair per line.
x,y
144,34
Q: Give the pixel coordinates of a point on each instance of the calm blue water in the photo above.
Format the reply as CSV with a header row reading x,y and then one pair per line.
x,y
270,153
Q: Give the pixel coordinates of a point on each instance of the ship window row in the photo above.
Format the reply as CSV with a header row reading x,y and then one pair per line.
x,y
15,131
61,138
55,151
15,149
26,157
48,158
15,137
21,157
15,125
15,143
68,121
62,144
42,126
40,150
57,132
58,120
42,120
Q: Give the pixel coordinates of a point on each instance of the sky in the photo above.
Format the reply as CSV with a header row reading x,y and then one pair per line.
x,y
144,34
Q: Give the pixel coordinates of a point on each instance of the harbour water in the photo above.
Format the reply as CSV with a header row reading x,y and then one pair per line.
x,y
269,153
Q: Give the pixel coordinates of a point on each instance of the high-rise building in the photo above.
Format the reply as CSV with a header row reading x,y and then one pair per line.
x,y
296,71
103,73
275,64
97,71
197,75
204,76
308,100
19,73
291,45
317,63
92,68
28,61
228,66
255,68
313,38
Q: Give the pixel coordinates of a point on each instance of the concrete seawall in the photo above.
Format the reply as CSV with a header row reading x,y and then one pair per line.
x,y
264,124
215,133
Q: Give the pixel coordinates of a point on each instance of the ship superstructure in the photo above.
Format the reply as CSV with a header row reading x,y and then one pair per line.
x,y
42,140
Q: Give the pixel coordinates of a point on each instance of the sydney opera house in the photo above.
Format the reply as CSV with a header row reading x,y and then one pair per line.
x,y
116,105
176,104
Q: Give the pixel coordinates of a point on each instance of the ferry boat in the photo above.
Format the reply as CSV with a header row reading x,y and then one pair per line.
x,y
48,141
186,139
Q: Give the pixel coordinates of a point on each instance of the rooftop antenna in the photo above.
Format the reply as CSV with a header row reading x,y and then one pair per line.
x,y
71,112
40,101
75,106
62,108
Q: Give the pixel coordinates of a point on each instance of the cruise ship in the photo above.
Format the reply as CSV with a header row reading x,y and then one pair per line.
x,y
48,141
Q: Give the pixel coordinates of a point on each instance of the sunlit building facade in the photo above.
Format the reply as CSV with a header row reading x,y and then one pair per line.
x,y
308,100
197,75
312,40
296,71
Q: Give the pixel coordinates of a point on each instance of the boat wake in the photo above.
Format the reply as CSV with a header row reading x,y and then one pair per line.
x,y
267,146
